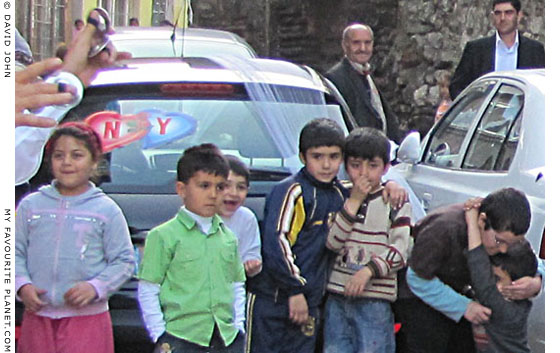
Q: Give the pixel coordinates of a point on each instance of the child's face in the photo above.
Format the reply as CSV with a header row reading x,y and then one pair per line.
x,y
371,169
322,162
502,277
202,193
235,194
72,165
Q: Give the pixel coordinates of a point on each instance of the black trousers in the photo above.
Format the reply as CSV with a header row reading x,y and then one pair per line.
x,y
217,345
426,330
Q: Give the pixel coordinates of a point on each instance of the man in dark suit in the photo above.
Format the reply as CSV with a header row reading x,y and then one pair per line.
x,y
352,77
507,50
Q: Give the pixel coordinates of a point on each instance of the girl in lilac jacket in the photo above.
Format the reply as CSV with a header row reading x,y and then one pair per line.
x,y
73,249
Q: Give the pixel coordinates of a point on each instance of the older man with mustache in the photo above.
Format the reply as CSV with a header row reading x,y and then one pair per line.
x,y
352,77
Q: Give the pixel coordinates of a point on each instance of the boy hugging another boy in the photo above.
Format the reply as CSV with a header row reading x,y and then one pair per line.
x,y
190,264
507,327
371,240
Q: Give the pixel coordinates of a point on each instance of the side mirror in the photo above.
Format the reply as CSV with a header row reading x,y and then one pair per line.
x,y
409,150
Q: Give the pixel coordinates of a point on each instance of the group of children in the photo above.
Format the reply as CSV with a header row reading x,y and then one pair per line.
x,y
73,249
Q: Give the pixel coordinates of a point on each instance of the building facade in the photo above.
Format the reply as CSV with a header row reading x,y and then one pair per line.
x,y
46,23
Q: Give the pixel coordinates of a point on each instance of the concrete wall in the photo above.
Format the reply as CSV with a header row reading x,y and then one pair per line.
x,y
415,41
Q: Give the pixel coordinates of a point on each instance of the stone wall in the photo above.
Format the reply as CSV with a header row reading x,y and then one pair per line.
x,y
415,41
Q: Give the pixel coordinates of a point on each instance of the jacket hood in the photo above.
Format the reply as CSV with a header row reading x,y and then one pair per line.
x,y
52,192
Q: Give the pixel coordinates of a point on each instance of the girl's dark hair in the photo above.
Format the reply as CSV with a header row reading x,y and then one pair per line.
x,y
238,167
80,131
205,157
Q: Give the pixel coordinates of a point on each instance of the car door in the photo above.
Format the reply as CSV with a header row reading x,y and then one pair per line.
x,y
470,151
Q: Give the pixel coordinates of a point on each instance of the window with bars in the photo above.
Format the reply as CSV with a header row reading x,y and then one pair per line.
x,y
47,27
161,11
117,9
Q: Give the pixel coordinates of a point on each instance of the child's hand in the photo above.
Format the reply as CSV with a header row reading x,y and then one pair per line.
x,y
81,294
477,313
29,294
252,267
473,202
358,194
357,283
471,216
299,311
523,288
395,194
361,188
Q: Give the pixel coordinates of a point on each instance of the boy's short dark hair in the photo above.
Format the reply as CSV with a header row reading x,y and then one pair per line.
x,y
519,260
367,143
515,3
320,132
238,167
507,210
205,157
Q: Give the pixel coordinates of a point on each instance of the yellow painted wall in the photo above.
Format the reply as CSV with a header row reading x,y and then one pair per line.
x,y
88,6
145,17
180,10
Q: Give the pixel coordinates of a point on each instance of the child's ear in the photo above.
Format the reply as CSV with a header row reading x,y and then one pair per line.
x,y
180,188
386,169
482,220
302,157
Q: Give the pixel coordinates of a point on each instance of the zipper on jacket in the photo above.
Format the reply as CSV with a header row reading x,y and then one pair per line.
x,y
59,226
310,218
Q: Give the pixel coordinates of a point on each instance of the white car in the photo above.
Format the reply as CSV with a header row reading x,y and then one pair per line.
x,y
158,42
491,137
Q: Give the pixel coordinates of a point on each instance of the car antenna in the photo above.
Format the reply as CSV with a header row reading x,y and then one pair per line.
x,y
173,35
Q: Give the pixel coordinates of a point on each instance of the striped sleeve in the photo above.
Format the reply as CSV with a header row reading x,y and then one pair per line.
x,y
284,220
340,230
394,257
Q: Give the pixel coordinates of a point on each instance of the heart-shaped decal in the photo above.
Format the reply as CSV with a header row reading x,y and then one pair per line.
x,y
118,130
167,127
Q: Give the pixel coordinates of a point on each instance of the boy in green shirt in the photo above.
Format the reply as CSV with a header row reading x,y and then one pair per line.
x,y
190,264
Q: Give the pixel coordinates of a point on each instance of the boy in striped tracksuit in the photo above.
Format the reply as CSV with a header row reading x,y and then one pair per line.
x,y
283,305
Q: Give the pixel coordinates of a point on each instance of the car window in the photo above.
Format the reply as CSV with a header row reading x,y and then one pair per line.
x,y
494,142
147,134
445,145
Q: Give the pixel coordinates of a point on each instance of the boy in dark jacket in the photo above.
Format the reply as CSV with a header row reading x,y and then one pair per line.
x,y
283,305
